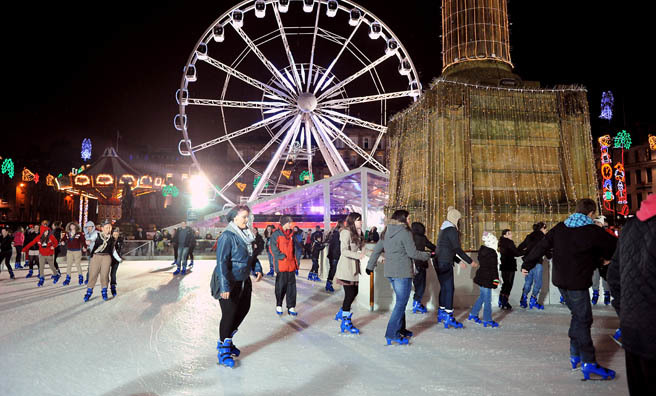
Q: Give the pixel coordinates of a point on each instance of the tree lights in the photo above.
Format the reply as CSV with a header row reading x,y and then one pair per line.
x,y
170,190
623,140
306,177
8,167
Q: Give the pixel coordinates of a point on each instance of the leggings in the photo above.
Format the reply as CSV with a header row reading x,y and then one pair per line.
x,y
19,253
350,292
235,308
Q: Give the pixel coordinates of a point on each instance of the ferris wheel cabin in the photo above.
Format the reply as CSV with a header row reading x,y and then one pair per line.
x,y
283,5
237,18
260,9
218,33
375,30
308,5
333,6
190,73
354,17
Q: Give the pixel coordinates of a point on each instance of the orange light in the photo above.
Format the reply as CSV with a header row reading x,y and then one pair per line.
x,y
104,179
82,180
652,142
22,184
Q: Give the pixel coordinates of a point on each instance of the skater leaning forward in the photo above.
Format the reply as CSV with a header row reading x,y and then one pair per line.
x,y
230,282
396,240
351,242
47,244
577,247
285,265
101,253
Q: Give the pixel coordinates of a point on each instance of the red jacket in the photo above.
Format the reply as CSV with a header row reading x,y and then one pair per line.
x,y
47,248
282,250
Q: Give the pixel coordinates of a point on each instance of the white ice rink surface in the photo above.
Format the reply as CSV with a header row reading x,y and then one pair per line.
x,y
158,337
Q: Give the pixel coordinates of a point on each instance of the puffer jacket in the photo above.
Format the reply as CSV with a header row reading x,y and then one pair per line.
x,y
508,252
47,244
487,274
632,279
399,250
231,263
282,249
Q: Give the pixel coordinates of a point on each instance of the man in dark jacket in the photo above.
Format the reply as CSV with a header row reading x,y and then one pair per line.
x,y
448,252
509,253
317,247
421,243
534,277
183,236
6,249
577,246
632,278
334,253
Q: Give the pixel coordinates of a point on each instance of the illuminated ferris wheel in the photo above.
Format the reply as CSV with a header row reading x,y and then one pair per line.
x,y
291,75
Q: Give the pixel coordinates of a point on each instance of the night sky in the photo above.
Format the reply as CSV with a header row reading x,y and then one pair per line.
x,y
72,70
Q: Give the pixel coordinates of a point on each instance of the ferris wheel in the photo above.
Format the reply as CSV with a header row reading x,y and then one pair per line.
x,y
290,77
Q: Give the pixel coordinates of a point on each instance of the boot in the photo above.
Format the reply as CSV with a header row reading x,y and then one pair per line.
x,y
18,265
575,361
595,297
339,315
562,300
475,318
88,295
177,271
270,273
104,293
29,274
418,307
451,321
347,325
292,311
522,301
490,323
41,280
606,298
113,288
399,340
406,333
329,287
501,301
184,270
441,315
279,310
535,304
66,281
86,281
56,279
234,350
80,279
504,303
595,368
224,355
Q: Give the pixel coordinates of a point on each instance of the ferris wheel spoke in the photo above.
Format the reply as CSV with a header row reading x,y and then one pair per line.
x,y
276,158
288,51
258,155
364,99
314,43
331,155
265,61
308,141
276,93
353,77
321,82
350,143
243,131
240,104
347,119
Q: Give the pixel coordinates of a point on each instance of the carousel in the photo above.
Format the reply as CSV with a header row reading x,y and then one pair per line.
x,y
112,182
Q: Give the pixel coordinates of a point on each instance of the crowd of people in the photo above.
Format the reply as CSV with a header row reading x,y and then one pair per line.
x,y
580,249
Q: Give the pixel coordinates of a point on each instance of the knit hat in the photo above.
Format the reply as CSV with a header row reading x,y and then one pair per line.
x,y
647,208
453,215
490,240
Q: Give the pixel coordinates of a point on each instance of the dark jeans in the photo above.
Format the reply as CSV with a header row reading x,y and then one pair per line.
x,y
333,269
57,254
6,257
315,265
640,374
350,292
191,253
175,253
508,278
299,253
420,284
286,286
34,260
112,272
19,251
396,322
183,252
578,302
445,277
235,308
271,269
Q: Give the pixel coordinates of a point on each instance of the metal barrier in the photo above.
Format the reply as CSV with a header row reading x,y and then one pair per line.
x,y
149,250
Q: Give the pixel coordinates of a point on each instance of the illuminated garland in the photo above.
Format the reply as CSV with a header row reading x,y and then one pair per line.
x,y
170,190
257,180
241,186
8,167
606,172
86,149
607,101
287,174
50,180
621,192
623,140
306,176
652,142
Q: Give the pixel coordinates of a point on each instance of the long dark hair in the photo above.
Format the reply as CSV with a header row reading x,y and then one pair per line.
x,y
356,237
400,215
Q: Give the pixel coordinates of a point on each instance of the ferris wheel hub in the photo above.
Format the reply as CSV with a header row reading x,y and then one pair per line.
x,y
307,102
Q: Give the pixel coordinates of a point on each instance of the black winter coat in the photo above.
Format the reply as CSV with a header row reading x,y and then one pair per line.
x,y
5,243
448,245
334,250
527,246
576,254
487,274
508,252
421,243
632,281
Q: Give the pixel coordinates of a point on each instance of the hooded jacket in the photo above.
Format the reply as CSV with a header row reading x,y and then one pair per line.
x,y
421,242
232,263
399,249
47,243
487,274
90,237
282,249
527,246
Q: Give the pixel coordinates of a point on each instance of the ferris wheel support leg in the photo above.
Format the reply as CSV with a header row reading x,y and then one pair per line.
x,y
332,150
330,161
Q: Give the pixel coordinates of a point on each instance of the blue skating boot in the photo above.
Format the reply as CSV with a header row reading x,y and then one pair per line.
x,y
535,304
311,276
113,290
418,307
606,298
406,333
316,278
574,361
80,279
451,321
279,311
29,274
490,323
562,300
595,368
292,311
104,293
234,350
271,273
339,315
329,287
595,297
441,315
522,301
225,353
184,270
88,295
27,263
18,265
399,340
86,280
475,318
41,280
500,301
347,325
177,271
66,281
56,279
617,337
191,264
296,272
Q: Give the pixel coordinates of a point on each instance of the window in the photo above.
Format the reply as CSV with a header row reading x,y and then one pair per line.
x,y
649,176
365,143
637,174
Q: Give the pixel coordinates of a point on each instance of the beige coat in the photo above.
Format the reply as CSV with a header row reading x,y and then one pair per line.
x,y
348,266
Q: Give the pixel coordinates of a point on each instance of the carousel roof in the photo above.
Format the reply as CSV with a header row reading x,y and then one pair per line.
x,y
110,164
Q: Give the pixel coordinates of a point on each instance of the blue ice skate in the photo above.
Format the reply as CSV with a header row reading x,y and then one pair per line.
x,y
595,368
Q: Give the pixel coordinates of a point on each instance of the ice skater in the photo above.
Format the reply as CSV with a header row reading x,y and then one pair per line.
x,y
231,283
487,278
33,252
74,242
19,240
47,244
509,253
100,261
183,236
6,249
118,247
421,243
351,243
448,251
268,231
578,245
534,277
90,235
317,247
285,264
334,252
399,247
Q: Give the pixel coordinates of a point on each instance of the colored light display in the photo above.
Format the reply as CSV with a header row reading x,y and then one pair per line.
x,y
27,176
623,140
287,174
170,190
82,180
86,149
257,180
306,176
8,167
241,186
104,180
606,172
607,101
50,180
652,142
